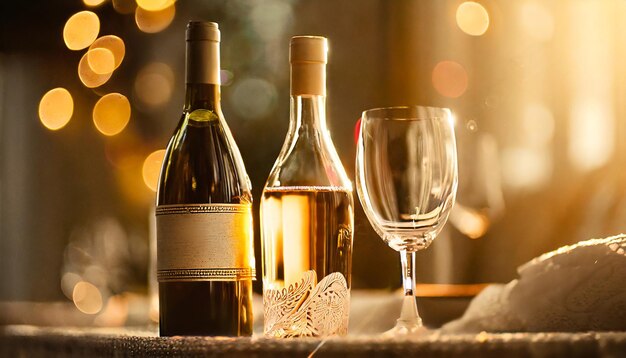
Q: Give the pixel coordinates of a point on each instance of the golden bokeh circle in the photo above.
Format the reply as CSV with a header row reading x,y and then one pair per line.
x,y
450,79
93,3
154,84
124,7
152,169
87,76
80,30
154,5
472,18
154,21
87,298
68,281
101,60
56,108
113,44
129,177
111,114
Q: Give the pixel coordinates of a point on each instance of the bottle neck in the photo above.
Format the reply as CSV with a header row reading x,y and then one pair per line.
x,y
202,96
308,112
202,75
308,95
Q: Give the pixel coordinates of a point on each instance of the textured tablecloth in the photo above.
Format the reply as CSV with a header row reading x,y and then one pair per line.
x,y
29,341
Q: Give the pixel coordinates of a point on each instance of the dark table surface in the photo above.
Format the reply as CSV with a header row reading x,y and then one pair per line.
x,y
29,341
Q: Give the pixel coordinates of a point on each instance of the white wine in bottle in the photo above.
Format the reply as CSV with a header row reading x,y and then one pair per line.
x,y
307,214
205,256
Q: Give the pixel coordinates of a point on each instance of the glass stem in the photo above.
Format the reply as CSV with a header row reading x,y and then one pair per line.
x,y
409,314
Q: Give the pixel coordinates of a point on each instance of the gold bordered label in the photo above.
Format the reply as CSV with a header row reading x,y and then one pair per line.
x,y
204,242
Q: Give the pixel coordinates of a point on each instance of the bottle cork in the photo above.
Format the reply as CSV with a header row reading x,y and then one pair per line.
x,y
308,56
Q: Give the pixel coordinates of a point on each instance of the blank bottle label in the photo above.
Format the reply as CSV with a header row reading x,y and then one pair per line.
x,y
204,242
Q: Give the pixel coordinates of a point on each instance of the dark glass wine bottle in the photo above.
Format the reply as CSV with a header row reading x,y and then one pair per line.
x,y
205,256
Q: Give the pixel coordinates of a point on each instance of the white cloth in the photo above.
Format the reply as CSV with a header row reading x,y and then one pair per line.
x,y
581,287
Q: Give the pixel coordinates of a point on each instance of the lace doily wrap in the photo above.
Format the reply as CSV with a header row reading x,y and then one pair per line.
x,y
581,287
308,309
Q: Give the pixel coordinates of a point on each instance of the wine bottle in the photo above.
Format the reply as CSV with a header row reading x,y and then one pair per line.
x,y
205,256
307,214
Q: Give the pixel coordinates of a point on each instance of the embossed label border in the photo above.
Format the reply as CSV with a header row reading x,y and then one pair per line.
x,y
204,228
232,274
181,209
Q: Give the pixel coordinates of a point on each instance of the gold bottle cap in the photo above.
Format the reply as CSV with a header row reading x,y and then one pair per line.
x,y
308,56
312,49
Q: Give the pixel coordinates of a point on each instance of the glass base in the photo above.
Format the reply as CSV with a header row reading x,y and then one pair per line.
x,y
405,329
409,323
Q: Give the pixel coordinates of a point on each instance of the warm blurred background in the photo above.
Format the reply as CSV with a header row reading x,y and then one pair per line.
x,y
536,88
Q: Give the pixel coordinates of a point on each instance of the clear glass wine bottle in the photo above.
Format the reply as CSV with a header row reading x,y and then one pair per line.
x,y
307,214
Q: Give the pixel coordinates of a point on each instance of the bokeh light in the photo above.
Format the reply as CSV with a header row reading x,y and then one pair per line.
x,y
129,178
111,114
154,21
154,5
253,98
152,168
450,79
472,18
154,84
124,7
101,60
119,147
113,44
56,108
268,18
226,77
87,298
471,125
470,222
68,282
526,168
81,30
115,312
93,3
594,100
87,76
591,134
537,21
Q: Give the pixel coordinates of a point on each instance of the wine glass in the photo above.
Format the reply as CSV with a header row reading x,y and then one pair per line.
x,y
406,170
